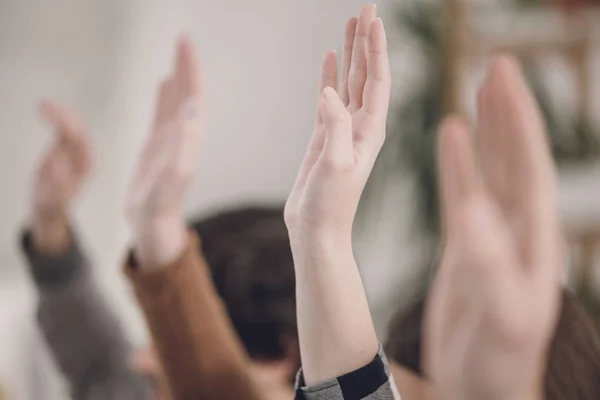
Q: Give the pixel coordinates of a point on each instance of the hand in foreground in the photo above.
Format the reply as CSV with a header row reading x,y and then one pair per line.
x,y
167,164
59,178
495,300
349,132
335,329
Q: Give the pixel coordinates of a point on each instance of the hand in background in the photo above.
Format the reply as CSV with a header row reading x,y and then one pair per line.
x,y
335,328
59,178
167,164
495,300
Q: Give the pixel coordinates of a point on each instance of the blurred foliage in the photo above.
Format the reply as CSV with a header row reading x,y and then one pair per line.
x,y
412,125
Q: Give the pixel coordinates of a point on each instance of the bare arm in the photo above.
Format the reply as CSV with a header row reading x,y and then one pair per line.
x,y
84,335
335,328
200,353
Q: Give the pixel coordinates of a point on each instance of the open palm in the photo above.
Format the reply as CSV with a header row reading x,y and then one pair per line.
x,y
168,159
64,167
349,132
494,302
167,163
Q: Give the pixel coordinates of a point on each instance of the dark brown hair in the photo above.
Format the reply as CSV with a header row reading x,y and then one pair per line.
x,y
249,254
573,363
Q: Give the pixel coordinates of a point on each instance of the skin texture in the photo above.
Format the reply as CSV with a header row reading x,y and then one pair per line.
x,y
495,299
167,164
155,202
336,333
59,178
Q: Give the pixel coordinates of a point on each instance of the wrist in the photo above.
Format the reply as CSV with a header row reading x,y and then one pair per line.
x,y
159,242
51,235
322,254
320,239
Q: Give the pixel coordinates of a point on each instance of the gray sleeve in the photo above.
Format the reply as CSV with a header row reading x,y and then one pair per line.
x,y
84,336
374,381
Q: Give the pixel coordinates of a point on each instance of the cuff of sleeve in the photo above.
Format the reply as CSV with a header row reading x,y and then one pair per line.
x,y
158,281
358,384
52,269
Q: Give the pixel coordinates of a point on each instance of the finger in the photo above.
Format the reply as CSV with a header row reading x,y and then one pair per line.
x,y
456,169
55,172
329,77
338,149
166,103
80,158
188,69
349,34
155,163
72,136
376,97
190,138
64,121
358,68
513,138
518,166
184,131
154,146
51,158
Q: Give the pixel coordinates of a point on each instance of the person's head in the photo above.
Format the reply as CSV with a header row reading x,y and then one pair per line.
x,y
249,254
573,370
250,258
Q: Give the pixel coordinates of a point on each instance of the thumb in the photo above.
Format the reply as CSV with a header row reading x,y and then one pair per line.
x,y
338,149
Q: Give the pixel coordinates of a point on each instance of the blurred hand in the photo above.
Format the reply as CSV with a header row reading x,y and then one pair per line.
x,y
495,300
349,132
59,177
145,363
167,164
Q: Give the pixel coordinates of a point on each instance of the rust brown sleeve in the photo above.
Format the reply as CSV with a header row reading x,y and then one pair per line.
x,y
200,352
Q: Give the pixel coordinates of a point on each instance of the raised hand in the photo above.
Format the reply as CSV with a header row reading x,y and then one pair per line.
x,y
336,332
348,135
167,164
59,177
494,303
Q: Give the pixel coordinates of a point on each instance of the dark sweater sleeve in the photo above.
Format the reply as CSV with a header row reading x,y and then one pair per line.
x,y
197,345
83,335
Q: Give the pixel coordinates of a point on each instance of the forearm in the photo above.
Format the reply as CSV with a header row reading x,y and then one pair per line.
x,y
88,343
83,334
198,348
334,323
